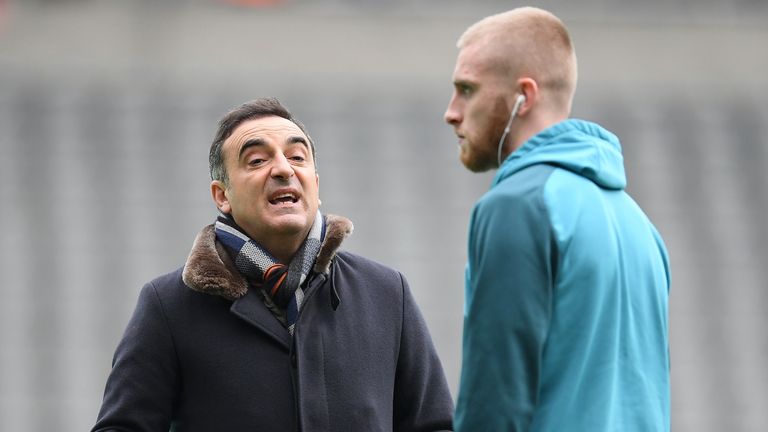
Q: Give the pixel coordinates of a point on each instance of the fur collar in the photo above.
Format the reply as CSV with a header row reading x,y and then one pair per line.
x,y
210,270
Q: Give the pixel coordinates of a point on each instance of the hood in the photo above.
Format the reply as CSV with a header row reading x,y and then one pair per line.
x,y
210,270
579,146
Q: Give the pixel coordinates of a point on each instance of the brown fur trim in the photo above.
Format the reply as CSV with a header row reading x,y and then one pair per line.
x,y
337,229
210,270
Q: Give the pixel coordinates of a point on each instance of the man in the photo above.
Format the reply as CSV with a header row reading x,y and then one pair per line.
x,y
567,281
268,327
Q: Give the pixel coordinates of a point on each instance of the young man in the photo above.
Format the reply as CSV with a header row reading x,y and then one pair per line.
x,y
268,326
567,282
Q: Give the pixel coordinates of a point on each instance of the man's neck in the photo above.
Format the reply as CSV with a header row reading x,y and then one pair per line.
x,y
536,123
283,248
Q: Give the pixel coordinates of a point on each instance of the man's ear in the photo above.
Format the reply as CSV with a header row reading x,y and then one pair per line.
x,y
530,90
219,195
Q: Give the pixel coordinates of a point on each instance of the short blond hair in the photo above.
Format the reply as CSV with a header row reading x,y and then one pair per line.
x,y
528,42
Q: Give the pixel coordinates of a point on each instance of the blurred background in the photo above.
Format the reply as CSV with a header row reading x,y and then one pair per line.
x,y
107,110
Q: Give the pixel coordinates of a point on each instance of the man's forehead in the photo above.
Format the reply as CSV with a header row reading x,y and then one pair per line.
x,y
478,56
267,128
475,63
269,125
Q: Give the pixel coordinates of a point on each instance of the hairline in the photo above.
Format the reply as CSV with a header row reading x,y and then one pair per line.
x,y
516,30
264,107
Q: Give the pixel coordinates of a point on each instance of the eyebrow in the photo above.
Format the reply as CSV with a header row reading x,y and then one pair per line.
x,y
255,142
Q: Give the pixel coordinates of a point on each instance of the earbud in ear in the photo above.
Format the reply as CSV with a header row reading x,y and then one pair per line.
x,y
520,100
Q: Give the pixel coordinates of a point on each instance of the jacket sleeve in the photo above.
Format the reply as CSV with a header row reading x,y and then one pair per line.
x,y
509,279
142,385
422,401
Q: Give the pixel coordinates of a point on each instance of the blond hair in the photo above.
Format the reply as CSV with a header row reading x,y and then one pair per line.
x,y
528,42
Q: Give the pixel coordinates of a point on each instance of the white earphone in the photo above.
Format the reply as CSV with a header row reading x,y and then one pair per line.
x,y
518,102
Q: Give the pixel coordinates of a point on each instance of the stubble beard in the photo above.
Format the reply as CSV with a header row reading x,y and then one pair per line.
x,y
479,158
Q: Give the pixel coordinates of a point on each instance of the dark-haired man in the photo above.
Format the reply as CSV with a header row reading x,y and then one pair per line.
x,y
268,326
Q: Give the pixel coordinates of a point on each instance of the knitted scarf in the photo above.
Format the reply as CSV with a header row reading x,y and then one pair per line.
x,y
281,283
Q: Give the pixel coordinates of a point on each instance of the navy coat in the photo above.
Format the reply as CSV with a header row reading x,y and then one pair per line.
x,y
202,352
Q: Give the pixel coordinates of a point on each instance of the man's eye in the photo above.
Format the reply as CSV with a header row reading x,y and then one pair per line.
x,y
255,161
465,90
297,158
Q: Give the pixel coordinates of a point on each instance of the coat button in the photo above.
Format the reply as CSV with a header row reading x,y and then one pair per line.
x,y
293,360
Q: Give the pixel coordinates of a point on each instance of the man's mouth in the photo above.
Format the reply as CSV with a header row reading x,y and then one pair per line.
x,y
283,198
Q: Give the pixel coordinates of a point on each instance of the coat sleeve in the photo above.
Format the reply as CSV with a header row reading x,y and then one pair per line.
x,y
142,386
509,279
422,401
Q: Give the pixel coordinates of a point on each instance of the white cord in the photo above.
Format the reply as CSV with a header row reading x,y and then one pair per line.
x,y
518,102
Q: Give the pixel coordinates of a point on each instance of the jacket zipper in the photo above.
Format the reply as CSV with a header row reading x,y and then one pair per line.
x,y
292,352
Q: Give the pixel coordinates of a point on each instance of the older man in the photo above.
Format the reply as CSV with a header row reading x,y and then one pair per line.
x,y
567,282
268,326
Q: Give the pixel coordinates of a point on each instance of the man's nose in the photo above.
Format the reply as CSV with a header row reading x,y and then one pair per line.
x,y
452,115
281,168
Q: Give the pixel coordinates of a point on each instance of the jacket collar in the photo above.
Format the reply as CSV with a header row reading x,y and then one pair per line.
x,y
210,270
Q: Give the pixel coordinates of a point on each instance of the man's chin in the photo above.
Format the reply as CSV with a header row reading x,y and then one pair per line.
x,y
475,164
289,224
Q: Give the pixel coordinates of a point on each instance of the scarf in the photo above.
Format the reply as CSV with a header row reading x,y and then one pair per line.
x,y
282,284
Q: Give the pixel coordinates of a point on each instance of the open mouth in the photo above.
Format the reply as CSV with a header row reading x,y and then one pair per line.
x,y
283,198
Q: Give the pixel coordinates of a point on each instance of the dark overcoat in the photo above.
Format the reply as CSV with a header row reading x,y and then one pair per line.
x,y
202,352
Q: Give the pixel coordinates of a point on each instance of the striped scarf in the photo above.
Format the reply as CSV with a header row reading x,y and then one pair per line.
x,y
281,282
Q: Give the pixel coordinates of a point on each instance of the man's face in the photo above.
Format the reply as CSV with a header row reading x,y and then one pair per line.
x,y
477,111
273,186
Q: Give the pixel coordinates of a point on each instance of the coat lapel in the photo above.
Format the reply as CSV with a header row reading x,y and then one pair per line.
x,y
251,309
210,270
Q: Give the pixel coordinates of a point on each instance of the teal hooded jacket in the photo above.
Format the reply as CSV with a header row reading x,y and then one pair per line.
x,y
567,285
